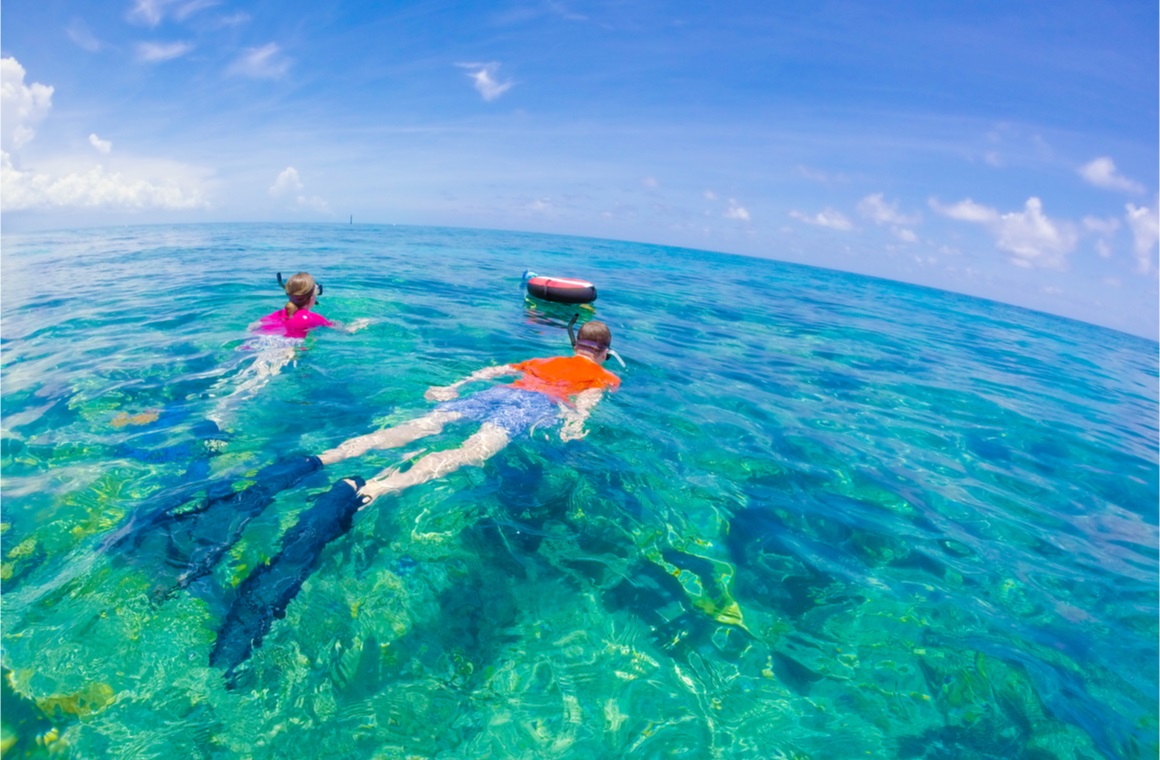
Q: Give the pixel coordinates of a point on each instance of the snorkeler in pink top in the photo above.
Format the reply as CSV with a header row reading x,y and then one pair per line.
x,y
278,340
295,319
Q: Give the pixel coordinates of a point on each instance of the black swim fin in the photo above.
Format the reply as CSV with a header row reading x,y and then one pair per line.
x,y
197,534
264,595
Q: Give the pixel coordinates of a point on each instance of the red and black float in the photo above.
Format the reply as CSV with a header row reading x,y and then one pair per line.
x,y
560,289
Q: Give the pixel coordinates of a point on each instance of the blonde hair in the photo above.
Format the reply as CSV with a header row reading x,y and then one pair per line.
x,y
299,289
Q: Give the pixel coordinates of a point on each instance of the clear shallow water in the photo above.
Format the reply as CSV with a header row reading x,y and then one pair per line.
x,y
825,516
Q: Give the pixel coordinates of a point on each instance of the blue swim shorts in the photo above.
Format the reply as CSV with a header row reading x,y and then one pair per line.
x,y
516,411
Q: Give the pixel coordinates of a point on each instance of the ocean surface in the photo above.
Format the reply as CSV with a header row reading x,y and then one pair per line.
x,y
825,516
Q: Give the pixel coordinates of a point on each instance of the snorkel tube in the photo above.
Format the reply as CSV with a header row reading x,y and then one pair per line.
x,y
572,337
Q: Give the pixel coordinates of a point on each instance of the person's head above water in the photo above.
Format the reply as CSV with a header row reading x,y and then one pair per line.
x,y
593,340
302,292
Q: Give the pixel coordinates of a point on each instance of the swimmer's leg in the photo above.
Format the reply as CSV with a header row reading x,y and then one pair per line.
x,y
484,444
390,438
268,362
265,594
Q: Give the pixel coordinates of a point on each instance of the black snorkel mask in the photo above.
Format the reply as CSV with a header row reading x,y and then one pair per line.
x,y
317,284
586,344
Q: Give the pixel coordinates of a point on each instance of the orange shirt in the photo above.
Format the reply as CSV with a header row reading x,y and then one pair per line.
x,y
563,376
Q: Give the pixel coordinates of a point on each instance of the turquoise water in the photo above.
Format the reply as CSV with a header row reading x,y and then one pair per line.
x,y
824,517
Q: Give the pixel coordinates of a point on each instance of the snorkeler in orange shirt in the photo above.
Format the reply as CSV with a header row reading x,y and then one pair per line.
x,y
547,391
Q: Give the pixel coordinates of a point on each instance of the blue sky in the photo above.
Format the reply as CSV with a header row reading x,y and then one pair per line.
x,y
1003,149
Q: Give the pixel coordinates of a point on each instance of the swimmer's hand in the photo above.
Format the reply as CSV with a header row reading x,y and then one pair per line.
x,y
574,416
573,430
358,324
441,393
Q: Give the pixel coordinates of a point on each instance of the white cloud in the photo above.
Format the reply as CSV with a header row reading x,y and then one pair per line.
x,y
905,235
262,63
650,182
157,52
540,205
1101,172
483,74
1033,238
93,188
102,146
966,211
149,185
1103,249
825,218
737,212
22,106
78,32
287,183
876,209
710,195
1102,226
1145,225
288,186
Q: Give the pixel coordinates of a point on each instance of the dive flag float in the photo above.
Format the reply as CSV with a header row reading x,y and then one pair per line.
x,y
559,289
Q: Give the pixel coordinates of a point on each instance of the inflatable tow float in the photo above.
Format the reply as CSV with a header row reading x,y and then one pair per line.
x,y
559,289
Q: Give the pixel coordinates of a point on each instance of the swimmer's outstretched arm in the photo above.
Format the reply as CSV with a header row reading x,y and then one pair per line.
x,y
574,416
448,392
350,327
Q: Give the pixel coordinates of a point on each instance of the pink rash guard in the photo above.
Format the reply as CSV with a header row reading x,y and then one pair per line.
x,y
296,326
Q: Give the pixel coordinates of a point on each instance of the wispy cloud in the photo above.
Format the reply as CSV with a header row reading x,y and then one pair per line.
x,y
1145,225
147,12
102,146
157,52
484,77
152,12
22,106
1102,226
828,217
78,32
1032,238
187,9
876,209
1102,172
265,62
818,175
736,211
